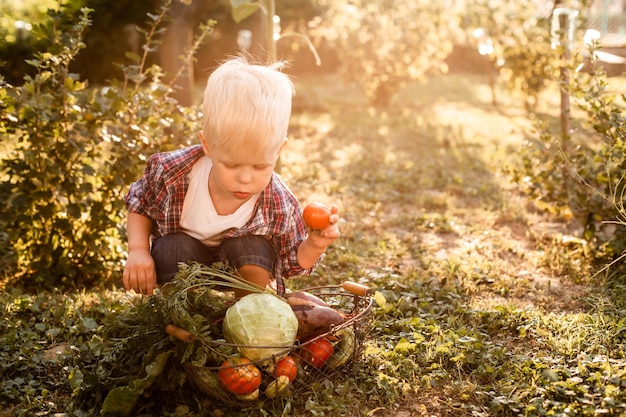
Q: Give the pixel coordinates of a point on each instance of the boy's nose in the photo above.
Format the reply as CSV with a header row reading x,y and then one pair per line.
x,y
245,176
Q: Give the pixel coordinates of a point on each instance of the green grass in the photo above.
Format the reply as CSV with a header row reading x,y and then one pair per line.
x,y
485,304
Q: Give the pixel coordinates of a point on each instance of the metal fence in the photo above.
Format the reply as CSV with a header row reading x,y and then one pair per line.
x,y
609,18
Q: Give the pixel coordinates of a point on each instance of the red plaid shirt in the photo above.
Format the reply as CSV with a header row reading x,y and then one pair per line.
x,y
160,193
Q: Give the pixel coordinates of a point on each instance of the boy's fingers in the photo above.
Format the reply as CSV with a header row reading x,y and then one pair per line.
x,y
134,282
146,281
332,235
126,280
149,283
140,280
142,284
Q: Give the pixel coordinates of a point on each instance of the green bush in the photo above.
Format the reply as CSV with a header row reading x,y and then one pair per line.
x,y
519,33
71,151
583,172
385,45
106,38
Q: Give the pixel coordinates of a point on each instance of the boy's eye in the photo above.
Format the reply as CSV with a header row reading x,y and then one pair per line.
x,y
235,166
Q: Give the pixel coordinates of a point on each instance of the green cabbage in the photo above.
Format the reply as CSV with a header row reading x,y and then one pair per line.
x,y
260,320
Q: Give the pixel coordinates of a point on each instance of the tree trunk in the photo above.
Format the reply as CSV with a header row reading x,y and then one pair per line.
x,y
177,39
179,36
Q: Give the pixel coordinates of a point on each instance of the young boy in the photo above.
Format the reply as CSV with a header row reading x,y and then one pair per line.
x,y
221,200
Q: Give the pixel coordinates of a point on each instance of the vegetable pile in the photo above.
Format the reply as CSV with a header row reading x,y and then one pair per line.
x,y
231,350
264,328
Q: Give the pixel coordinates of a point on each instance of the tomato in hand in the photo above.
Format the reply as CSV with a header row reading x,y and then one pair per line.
x,y
239,376
317,352
316,216
286,367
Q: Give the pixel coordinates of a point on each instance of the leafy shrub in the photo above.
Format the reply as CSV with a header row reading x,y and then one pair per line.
x,y
109,36
583,172
106,38
18,45
384,45
520,36
72,150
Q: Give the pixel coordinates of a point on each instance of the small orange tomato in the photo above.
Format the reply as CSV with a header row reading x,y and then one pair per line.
x,y
239,376
317,352
286,367
316,216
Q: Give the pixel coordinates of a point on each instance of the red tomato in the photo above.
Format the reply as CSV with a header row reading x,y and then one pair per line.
x,y
239,376
317,352
316,216
286,366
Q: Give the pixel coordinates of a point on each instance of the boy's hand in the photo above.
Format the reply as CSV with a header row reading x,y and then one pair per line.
x,y
323,238
140,273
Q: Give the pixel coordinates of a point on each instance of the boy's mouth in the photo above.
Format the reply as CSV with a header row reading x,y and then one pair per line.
x,y
241,195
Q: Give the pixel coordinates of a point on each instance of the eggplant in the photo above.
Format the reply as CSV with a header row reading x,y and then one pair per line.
x,y
314,319
300,297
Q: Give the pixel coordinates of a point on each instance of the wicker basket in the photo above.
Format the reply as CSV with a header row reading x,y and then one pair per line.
x,y
354,300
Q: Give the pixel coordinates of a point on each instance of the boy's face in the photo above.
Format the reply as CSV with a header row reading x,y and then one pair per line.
x,y
238,176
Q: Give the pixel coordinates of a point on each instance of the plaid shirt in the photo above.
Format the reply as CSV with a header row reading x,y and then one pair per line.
x,y
160,193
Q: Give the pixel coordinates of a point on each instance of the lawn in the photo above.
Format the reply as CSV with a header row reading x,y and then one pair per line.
x,y
485,303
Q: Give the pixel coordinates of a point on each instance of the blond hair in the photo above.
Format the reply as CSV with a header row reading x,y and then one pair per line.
x,y
246,107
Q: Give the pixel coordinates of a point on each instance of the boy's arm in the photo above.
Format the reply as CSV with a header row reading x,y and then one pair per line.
x,y
139,272
316,243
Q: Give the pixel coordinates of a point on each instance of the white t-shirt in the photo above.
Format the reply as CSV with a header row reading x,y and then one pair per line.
x,y
199,218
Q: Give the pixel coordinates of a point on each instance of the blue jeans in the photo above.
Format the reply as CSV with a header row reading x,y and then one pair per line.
x,y
169,250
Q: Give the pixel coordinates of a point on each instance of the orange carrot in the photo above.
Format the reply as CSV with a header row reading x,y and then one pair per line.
x,y
180,334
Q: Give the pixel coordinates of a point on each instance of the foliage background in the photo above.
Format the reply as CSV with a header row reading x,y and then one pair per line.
x,y
485,231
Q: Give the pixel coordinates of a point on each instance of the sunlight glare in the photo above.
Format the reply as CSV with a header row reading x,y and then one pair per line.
x,y
325,127
344,157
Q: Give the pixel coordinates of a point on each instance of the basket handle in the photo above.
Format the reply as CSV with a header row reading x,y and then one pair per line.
x,y
356,288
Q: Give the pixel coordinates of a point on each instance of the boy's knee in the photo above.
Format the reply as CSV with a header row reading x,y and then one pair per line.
x,y
168,251
251,269
254,274
175,241
249,250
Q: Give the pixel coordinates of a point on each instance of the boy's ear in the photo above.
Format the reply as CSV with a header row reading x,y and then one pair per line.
x,y
282,146
205,145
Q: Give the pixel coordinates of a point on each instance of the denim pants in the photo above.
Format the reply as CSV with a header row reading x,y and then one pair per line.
x,y
169,250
